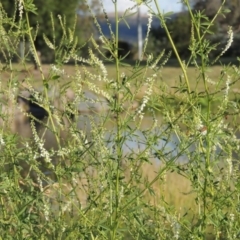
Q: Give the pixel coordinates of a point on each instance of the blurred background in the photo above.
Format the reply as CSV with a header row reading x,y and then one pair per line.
x,y
131,37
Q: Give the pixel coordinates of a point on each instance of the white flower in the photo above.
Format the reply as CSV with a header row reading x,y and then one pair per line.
x,y
199,124
148,31
204,131
43,152
227,88
20,8
46,211
57,70
231,217
229,42
149,83
102,39
1,140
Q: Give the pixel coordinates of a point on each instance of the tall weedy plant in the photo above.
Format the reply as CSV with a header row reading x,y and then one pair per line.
x,y
147,159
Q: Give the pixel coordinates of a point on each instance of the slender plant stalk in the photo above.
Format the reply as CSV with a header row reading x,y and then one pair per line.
x,y
173,46
209,25
43,78
203,67
118,119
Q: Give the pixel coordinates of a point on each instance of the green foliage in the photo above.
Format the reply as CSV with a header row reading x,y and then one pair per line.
x,y
124,50
180,25
210,7
96,166
180,29
45,20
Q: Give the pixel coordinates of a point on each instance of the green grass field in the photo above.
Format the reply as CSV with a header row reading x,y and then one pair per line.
x,y
168,75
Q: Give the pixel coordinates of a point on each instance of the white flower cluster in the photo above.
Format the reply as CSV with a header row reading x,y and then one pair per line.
x,y
20,8
77,136
176,227
231,217
102,39
2,142
80,59
38,97
150,17
150,57
57,70
157,60
58,119
46,211
30,151
200,127
43,152
3,35
230,167
229,42
40,184
63,152
227,88
237,71
210,81
149,83
48,42
100,64
198,123
99,91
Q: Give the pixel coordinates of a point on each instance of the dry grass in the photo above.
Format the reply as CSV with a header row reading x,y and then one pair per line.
x,y
174,189
171,189
170,75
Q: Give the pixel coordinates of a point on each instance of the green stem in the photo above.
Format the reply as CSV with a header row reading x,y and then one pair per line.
x,y
43,78
209,25
200,37
118,120
168,166
173,46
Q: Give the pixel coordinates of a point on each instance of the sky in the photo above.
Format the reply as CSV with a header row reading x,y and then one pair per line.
x,y
165,5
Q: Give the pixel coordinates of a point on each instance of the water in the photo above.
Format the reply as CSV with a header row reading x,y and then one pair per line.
x,y
136,141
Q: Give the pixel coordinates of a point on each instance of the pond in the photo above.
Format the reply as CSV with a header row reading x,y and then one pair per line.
x,y
136,140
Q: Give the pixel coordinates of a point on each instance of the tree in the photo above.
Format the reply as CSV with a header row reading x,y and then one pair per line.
x,y
222,22
211,7
69,10
180,29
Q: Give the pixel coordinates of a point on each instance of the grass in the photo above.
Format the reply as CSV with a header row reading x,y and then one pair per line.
x,y
101,188
166,88
168,75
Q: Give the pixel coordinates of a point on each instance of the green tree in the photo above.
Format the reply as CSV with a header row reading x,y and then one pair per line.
x,y
231,18
211,7
180,29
